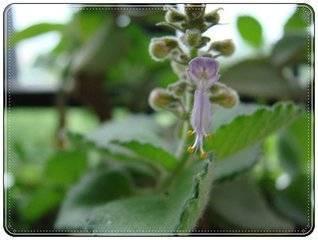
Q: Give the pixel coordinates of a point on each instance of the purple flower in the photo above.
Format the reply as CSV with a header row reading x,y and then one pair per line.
x,y
203,72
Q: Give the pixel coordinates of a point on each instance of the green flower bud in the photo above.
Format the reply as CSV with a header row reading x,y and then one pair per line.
x,y
213,17
160,48
225,47
192,37
223,95
160,98
178,88
174,16
194,11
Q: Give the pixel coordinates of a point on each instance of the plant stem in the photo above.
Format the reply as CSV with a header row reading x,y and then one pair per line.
x,y
182,148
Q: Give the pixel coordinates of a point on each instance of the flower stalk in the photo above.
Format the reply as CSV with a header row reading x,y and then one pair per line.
x,y
193,59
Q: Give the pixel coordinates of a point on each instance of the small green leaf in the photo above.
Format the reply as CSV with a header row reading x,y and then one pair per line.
x,y
65,167
173,211
35,30
151,153
250,30
248,130
240,202
300,20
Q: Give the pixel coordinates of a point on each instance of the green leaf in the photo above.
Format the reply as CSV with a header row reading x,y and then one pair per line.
x,y
134,127
98,187
295,155
248,130
151,153
257,78
236,164
35,30
40,202
300,20
176,210
240,202
65,167
250,30
293,48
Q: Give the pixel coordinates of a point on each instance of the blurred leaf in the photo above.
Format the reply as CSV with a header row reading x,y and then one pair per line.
x,y
250,30
65,167
257,78
240,202
98,187
300,20
41,202
134,127
35,30
151,152
236,164
293,48
295,155
295,146
173,211
247,130
294,201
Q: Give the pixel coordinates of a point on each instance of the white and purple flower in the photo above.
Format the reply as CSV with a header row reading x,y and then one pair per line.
x,y
203,73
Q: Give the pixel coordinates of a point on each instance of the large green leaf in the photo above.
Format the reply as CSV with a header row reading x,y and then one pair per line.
x,y
36,30
152,153
175,210
257,78
98,187
248,130
250,30
240,202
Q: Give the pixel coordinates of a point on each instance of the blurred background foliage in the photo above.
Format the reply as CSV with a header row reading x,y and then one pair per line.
x,y
103,64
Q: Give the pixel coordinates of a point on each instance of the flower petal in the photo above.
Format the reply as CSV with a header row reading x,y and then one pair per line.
x,y
203,68
201,112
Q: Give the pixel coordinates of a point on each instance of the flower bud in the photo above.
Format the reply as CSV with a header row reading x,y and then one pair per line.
x,y
178,88
192,38
160,48
225,47
223,95
194,11
174,16
160,98
213,17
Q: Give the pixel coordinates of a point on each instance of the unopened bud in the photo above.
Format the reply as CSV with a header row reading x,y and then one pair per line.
x,y
192,38
194,11
174,16
178,88
160,48
225,47
224,95
213,17
160,98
